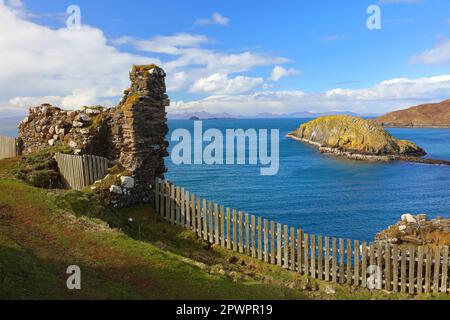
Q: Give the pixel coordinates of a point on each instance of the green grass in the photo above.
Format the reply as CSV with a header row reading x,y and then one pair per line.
x,y
42,232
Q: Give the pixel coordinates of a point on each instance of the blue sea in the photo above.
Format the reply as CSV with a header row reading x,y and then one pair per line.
x,y
323,194
316,192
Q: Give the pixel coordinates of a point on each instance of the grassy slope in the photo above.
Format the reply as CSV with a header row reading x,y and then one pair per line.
x,y
43,232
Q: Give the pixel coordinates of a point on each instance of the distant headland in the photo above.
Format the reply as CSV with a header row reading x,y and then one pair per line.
x,y
433,115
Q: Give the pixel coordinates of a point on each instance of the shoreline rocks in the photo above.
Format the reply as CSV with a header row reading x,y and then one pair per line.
x,y
417,230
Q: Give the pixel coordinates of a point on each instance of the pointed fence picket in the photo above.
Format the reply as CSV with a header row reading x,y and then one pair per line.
x,y
390,267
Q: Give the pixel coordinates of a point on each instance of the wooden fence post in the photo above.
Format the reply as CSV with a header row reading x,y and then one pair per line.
x,y
198,212
300,250
403,271
254,254
188,211
334,245
313,257
364,264
217,224
412,264
222,226
286,247
235,238
341,261
293,253
272,243
445,266
205,220
279,244
241,233
349,262
228,218
420,269
266,240
306,253
320,256
172,204
327,258
210,218
428,253
247,234
260,248
437,266
388,270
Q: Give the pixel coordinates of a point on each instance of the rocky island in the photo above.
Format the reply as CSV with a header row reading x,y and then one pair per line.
x,y
359,139
433,115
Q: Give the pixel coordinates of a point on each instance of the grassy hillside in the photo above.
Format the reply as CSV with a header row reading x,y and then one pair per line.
x,y
42,232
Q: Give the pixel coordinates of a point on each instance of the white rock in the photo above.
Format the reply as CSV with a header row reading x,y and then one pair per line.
x,y
402,228
115,189
51,142
73,144
77,124
329,290
84,117
409,218
127,182
26,120
92,111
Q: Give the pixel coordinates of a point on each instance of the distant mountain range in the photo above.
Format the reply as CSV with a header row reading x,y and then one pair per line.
x,y
203,115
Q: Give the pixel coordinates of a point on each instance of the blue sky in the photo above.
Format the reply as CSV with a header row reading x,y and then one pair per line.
x,y
325,56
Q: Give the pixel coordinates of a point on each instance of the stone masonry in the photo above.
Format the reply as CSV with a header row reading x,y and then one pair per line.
x,y
132,135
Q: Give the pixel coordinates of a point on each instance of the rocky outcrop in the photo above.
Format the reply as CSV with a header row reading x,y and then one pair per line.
x,y
417,230
355,138
435,115
85,130
132,135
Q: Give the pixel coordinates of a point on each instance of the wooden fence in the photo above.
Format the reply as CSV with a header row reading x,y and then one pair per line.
x,y
79,172
406,269
8,147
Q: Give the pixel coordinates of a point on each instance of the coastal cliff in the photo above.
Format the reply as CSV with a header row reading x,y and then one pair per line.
x,y
435,115
355,138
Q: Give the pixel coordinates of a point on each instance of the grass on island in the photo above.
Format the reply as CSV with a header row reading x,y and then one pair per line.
x,y
42,232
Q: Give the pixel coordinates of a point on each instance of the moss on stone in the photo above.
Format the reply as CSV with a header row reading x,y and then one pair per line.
x,y
40,169
143,68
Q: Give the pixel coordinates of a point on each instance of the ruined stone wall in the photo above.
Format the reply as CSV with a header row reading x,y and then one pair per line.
x,y
133,134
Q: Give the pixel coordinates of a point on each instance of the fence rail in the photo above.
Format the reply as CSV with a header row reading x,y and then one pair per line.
x,y
79,172
8,147
406,269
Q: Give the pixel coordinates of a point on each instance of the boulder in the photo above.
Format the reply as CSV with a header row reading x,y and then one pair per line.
x,y
115,189
409,218
127,182
73,144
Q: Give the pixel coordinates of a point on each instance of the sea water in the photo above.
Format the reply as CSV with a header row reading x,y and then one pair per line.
x,y
319,193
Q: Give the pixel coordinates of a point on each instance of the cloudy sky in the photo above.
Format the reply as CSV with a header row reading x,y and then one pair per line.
x,y
241,57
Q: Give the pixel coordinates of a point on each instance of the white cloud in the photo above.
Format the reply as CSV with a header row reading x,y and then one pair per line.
x,y
73,67
164,44
439,54
398,1
216,19
221,84
383,97
279,72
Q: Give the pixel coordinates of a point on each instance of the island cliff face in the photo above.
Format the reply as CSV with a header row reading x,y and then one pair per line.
x,y
355,138
435,115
